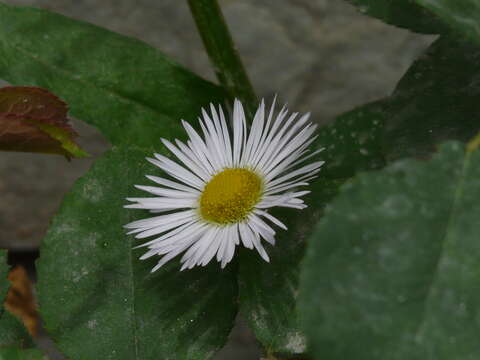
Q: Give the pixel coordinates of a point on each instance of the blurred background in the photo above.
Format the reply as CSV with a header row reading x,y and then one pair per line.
x,y
321,56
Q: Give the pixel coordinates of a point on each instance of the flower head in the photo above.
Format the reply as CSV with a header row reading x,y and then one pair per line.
x,y
220,194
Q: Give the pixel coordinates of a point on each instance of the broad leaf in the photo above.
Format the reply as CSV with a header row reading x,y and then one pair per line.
x,y
462,15
268,291
129,90
94,290
13,353
402,13
34,120
436,100
353,142
392,268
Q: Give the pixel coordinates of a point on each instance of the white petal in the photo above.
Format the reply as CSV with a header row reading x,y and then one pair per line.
x,y
238,131
228,254
177,171
255,134
158,220
271,218
172,184
259,247
261,228
155,190
172,254
310,168
186,160
226,136
179,231
163,227
245,235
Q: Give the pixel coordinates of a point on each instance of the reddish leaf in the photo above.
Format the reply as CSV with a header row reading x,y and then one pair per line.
x,y
34,120
21,301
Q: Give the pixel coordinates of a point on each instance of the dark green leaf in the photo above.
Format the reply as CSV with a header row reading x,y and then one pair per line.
x,y
94,290
127,89
13,332
436,100
21,354
268,291
402,13
4,283
462,15
392,268
353,142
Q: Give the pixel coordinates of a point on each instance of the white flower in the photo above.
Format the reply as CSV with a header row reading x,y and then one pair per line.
x,y
219,197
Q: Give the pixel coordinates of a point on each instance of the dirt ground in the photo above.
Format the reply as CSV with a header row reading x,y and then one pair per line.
x,y
320,56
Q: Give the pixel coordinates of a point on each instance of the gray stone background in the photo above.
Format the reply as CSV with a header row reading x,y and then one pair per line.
x,y
318,55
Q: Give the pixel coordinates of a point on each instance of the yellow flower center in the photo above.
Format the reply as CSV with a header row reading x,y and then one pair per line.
x,y
230,196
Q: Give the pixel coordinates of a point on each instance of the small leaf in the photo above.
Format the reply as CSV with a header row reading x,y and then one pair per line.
x,y
12,332
392,268
268,291
436,100
402,13
107,296
20,299
462,15
13,353
130,91
34,120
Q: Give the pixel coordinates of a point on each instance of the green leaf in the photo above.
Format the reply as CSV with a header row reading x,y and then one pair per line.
x,y
436,100
402,13
94,290
268,291
462,15
21,354
13,332
392,268
353,142
4,283
129,90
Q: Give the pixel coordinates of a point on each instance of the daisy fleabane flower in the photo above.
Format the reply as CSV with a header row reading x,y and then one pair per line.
x,y
219,190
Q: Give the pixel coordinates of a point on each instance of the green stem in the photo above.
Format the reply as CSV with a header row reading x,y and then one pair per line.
x,y
222,53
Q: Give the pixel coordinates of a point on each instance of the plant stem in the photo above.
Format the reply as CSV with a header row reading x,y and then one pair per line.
x,y
222,53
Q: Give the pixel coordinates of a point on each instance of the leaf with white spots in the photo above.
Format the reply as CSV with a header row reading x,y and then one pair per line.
x,y
94,290
268,291
392,268
129,90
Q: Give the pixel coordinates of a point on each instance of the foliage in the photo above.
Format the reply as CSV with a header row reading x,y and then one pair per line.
x,y
391,264
34,120
12,331
12,353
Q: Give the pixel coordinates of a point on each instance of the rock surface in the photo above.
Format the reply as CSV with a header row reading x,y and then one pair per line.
x,y
319,56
